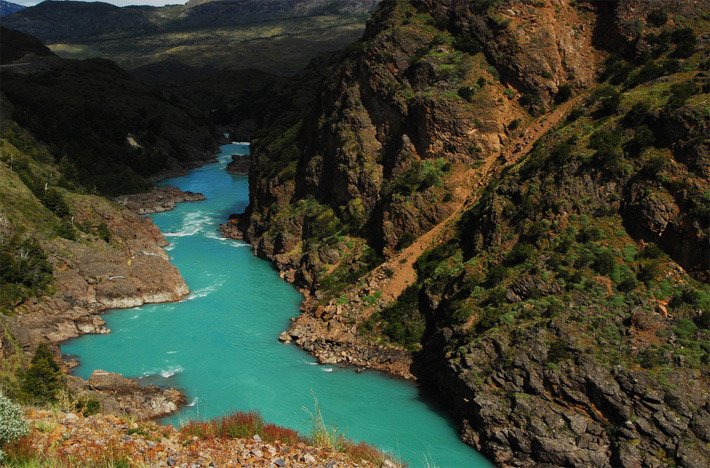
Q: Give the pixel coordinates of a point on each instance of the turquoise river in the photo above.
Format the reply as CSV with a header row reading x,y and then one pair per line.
x,y
220,344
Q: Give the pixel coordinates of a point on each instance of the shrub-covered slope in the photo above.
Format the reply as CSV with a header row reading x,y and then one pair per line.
x,y
110,130
559,299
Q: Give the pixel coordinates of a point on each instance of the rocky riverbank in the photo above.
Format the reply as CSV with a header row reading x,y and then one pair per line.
x,y
335,342
129,270
158,200
326,331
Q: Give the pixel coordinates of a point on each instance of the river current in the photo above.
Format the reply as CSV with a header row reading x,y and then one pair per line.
x,y
220,344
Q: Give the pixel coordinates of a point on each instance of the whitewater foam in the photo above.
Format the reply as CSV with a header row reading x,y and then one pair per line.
x,y
192,224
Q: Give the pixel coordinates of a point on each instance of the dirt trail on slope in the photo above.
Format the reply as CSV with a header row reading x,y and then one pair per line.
x,y
403,263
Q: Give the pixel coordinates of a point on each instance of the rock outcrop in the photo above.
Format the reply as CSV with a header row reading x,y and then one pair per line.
x,y
240,164
158,200
119,395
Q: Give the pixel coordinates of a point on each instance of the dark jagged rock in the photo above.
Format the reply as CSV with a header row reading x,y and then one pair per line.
x,y
158,200
239,165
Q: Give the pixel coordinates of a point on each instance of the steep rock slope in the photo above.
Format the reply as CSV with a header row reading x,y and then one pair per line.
x,y
559,298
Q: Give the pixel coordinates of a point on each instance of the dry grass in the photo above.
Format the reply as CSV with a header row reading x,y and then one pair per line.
x,y
241,424
23,454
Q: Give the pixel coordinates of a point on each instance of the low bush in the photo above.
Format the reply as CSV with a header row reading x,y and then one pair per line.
x,y
467,44
657,17
685,41
466,93
12,425
564,93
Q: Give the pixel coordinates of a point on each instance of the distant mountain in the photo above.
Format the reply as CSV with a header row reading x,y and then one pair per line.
x,y
275,35
8,8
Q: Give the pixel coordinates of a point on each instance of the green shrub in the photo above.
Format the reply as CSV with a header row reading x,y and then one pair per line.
x,y
12,424
467,44
564,93
88,406
66,230
685,41
557,352
24,270
703,320
406,240
43,379
650,71
466,93
531,101
609,104
650,271
403,322
637,115
680,92
520,253
685,328
657,17
604,262
103,232
616,70
627,284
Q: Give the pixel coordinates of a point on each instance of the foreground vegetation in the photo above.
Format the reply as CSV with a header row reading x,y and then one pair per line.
x,y
28,443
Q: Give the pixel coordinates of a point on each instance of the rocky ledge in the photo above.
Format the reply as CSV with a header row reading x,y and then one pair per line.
x,y
120,395
240,164
158,200
334,342
89,439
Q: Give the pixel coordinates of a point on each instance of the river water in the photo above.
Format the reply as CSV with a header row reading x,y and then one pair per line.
x,y
220,344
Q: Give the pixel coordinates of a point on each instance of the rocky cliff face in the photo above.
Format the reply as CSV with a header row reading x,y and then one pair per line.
x,y
543,257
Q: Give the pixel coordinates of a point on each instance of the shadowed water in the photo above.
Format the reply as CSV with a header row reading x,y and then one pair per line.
x,y
220,344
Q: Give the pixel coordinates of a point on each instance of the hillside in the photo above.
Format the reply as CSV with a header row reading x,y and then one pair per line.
x,y
85,108
278,36
509,202
8,8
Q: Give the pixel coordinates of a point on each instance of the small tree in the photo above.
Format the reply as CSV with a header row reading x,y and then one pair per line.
x,y
43,379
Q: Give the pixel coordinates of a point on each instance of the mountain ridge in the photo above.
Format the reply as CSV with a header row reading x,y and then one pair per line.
x,y
8,8
279,35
